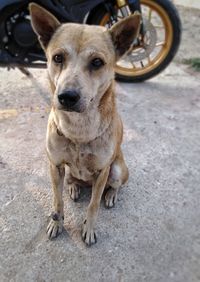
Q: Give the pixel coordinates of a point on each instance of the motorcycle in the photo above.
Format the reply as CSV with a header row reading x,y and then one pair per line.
x,y
151,53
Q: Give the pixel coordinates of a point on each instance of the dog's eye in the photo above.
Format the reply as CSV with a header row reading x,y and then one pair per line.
x,y
58,58
96,63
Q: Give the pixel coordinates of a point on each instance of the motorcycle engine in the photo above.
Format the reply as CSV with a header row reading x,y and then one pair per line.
x,y
23,34
20,35
18,38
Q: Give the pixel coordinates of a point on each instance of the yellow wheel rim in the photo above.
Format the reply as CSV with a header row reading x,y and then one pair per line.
x,y
162,47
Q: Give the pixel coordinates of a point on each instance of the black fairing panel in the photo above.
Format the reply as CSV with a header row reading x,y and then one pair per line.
x,y
78,8
64,10
5,3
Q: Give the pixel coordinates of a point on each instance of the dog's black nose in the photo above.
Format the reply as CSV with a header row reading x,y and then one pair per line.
x,y
69,98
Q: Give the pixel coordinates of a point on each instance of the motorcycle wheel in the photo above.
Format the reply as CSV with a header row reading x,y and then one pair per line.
x,y
160,43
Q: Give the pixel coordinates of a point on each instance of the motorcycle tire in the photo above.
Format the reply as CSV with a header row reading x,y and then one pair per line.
x,y
170,19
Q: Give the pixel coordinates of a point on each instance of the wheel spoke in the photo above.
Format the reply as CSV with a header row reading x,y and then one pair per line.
x,y
133,64
150,14
160,44
149,60
142,65
158,26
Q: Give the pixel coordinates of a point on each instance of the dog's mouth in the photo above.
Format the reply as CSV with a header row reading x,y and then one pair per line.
x,y
77,108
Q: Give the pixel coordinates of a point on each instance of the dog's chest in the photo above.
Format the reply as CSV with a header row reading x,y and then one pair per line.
x,y
84,160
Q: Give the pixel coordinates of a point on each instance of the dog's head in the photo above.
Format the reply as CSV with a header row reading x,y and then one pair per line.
x,y
81,58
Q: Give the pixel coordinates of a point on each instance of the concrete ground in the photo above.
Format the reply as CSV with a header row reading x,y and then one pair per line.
x,y
188,3
153,233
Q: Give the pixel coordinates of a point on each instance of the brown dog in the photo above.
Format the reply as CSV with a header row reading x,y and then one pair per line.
x,y
84,132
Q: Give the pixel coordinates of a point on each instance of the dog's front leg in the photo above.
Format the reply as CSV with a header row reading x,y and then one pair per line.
x,y
88,234
56,222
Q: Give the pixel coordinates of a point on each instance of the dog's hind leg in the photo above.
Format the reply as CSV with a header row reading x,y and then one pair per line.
x,y
55,225
117,177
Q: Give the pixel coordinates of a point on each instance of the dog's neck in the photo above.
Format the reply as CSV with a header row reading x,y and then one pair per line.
x,y
85,127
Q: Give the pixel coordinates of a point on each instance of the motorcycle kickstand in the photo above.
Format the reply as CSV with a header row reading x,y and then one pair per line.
x,y
25,71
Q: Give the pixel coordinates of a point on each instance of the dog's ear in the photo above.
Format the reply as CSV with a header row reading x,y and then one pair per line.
x,y
44,23
124,32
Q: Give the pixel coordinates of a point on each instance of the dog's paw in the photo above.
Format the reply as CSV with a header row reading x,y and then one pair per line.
x,y
55,226
111,198
74,192
88,234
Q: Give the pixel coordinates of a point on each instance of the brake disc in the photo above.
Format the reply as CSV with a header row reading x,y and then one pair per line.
x,y
142,51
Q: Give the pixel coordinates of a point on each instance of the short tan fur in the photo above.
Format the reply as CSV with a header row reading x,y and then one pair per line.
x,y
84,133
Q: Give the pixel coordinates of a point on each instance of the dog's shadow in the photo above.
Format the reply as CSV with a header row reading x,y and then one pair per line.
x,y
85,195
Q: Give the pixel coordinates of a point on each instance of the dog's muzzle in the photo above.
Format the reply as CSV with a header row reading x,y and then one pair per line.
x,y
69,100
